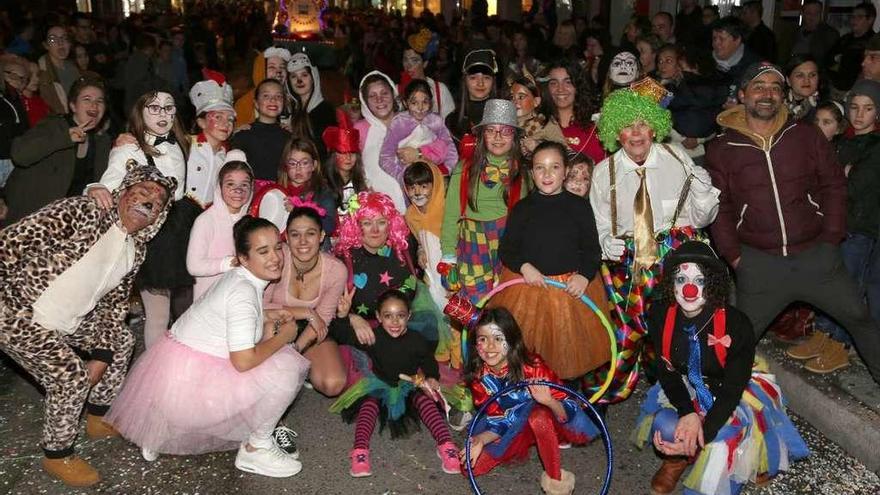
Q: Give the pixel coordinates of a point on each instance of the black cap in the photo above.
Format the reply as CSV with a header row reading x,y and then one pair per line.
x,y
480,61
693,252
757,69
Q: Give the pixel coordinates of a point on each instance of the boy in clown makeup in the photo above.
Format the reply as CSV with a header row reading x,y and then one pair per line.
x,y
713,406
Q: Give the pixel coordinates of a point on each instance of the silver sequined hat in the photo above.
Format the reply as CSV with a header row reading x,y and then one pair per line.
x,y
212,94
499,111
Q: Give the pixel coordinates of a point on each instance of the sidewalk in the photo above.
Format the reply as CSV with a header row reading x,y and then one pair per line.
x,y
844,405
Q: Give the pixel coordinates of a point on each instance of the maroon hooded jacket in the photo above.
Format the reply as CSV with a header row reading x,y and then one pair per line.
x,y
781,195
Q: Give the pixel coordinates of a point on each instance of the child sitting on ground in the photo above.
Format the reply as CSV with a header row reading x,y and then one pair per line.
x,y
404,383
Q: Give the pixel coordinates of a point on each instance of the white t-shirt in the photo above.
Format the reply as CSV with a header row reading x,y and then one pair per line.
x,y
227,318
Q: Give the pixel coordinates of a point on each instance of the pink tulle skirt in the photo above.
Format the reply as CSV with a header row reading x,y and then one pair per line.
x,y
177,400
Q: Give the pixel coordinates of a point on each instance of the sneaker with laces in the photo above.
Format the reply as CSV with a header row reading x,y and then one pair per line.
x,y
360,463
271,461
448,454
283,438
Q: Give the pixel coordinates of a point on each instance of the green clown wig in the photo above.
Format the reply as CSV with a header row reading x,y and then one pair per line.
x,y
624,107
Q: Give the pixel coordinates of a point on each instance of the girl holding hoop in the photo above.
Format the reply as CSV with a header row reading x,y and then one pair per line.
x,y
552,233
536,416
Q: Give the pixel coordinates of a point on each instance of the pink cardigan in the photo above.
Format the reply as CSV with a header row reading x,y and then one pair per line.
x,y
334,275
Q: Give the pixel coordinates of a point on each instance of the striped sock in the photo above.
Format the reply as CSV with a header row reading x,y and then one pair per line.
x,y
366,423
430,414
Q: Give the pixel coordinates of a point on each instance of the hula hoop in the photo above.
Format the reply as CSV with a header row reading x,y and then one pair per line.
x,y
612,336
603,430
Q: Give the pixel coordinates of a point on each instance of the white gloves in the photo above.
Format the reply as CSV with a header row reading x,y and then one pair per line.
x,y
613,248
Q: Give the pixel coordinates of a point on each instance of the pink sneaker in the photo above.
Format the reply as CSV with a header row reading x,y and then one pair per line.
x,y
448,454
360,463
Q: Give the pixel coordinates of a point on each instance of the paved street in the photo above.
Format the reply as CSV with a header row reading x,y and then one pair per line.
x,y
404,467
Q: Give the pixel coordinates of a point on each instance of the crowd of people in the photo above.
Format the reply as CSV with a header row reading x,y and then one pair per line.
x,y
680,179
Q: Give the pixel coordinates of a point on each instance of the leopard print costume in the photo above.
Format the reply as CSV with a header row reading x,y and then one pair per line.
x,y
33,252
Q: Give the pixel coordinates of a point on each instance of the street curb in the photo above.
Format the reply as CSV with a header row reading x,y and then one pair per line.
x,y
837,415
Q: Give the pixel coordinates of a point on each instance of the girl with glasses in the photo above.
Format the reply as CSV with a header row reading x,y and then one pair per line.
x,y
299,179
156,137
482,190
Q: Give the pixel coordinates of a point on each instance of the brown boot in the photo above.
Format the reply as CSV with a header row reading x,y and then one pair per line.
x,y
809,348
834,357
666,478
563,486
96,428
71,470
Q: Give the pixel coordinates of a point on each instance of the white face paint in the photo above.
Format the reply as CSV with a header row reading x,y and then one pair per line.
x,y
158,114
689,284
624,69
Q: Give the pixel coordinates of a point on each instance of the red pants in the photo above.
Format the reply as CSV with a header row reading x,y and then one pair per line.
x,y
542,430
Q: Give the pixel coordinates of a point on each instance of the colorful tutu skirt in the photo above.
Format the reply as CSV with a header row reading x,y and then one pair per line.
x,y
177,400
562,329
478,262
758,438
395,410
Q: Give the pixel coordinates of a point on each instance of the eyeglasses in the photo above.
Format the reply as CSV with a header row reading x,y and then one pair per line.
x,y
304,164
504,130
157,109
57,40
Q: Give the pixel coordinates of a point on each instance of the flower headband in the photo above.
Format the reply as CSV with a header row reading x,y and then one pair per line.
x,y
297,202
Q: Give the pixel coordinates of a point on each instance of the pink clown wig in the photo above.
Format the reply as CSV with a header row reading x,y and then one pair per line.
x,y
371,205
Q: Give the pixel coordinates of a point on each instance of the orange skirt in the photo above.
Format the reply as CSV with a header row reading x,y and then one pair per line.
x,y
562,329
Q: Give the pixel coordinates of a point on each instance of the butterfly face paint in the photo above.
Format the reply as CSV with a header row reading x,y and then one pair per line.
x,y
624,69
492,346
689,284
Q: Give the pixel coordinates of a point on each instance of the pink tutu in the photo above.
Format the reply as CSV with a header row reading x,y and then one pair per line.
x,y
177,400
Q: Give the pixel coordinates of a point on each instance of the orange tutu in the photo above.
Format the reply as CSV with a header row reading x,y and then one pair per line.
x,y
562,329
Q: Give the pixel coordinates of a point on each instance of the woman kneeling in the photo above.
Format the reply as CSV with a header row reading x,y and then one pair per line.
x,y
223,375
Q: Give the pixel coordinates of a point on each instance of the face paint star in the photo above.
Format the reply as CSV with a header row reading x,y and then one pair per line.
x,y
385,278
363,310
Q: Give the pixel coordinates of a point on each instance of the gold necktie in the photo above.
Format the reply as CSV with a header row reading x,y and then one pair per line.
x,y
643,227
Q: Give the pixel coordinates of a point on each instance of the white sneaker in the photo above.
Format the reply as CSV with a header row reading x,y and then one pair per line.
x,y
459,420
270,461
149,455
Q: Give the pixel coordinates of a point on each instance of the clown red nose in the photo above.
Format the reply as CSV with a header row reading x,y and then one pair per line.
x,y
689,291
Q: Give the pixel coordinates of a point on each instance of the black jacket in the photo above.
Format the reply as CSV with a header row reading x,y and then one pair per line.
x,y
862,153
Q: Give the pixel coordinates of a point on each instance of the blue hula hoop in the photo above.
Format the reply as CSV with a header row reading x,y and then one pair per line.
x,y
603,430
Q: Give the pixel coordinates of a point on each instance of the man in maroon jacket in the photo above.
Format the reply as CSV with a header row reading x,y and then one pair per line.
x,y
782,213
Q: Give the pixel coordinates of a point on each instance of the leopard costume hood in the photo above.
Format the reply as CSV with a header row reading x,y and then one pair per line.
x,y
135,174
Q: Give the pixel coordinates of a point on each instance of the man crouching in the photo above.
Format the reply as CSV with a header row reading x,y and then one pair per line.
x,y
67,271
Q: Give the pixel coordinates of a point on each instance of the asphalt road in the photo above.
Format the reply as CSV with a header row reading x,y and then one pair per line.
x,y
407,466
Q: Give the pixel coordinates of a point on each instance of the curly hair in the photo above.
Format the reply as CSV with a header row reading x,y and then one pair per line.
x,y
371,205
716,291
624,107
